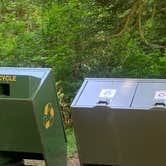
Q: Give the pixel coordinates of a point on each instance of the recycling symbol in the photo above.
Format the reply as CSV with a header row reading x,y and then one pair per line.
x,y
49,114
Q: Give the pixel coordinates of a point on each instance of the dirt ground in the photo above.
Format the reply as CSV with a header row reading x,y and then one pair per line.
x,y
34,162
70,162
73,162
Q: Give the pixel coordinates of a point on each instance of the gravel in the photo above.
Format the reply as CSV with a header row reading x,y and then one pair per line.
x,y
70,162
34,163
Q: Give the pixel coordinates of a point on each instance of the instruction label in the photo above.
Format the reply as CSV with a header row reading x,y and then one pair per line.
x,y
160,95
107,93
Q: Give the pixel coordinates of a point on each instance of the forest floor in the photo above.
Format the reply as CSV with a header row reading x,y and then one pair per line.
x,y
71,162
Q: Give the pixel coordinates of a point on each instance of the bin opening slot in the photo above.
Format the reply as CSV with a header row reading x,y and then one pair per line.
x,y
4,89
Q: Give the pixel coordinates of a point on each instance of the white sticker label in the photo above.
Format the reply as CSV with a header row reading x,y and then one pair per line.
x,y
160,95
107,93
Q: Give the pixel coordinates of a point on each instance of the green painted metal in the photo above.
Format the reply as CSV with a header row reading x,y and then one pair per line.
x,y
30,119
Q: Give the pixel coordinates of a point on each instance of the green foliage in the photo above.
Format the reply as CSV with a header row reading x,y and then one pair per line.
x,y
17,33
71,142
98,38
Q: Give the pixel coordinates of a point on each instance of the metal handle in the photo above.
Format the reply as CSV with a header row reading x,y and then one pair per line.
x,y
103,101
159,105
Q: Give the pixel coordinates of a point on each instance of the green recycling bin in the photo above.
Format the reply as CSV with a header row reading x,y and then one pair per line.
x,y
30,120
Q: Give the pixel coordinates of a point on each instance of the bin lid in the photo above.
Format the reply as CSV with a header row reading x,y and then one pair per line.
x,y
149,94
17,82
118,93
34,72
